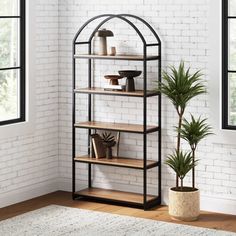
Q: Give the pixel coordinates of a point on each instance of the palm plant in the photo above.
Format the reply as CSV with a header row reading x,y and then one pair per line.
x,y
193,132
181,163
179,86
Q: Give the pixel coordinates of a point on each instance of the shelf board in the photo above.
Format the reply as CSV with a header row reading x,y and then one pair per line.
x,y
117,57
113,195
120,162
101,91
131,128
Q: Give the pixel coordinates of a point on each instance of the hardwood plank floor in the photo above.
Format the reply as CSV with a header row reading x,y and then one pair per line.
x,y
207,219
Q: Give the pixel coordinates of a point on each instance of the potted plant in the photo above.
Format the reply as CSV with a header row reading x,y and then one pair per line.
x,y
179,86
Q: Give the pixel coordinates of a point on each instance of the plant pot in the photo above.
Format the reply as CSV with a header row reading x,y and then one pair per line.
x,y
184,206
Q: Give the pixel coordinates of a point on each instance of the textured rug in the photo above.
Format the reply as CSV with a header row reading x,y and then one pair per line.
x,y
57,220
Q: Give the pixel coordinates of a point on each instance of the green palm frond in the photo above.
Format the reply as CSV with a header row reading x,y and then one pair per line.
x,y
180,86
195,130
181,163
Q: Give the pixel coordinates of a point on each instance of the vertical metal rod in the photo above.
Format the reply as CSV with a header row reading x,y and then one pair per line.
x,y
145,126
160,126
73,122
89,114
22,61
225,76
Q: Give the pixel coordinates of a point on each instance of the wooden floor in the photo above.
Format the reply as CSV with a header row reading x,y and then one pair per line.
x,y
207,220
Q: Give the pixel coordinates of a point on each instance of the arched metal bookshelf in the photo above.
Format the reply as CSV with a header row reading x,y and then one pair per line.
x,y
141,200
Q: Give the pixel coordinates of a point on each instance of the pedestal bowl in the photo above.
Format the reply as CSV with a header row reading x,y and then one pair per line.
x,y
130,75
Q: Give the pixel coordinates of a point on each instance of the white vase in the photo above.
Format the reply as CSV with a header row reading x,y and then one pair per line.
x,y
103,46
184,206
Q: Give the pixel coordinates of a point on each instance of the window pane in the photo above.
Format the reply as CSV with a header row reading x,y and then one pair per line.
x,y
9,43
9,94
9,8
232,7
232,99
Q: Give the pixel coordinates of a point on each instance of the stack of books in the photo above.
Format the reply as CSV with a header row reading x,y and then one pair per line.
x,y
114,87
98,146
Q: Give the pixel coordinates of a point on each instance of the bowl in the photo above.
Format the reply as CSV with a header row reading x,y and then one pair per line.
x,y
130,73
113,79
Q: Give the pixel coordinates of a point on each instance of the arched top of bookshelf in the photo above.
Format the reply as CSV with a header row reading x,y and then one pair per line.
x,y
123,17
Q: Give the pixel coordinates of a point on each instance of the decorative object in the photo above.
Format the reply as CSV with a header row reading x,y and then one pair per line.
x,y
180,87
57,220
103,34
109,142
130,74
113,51
98,147
114,79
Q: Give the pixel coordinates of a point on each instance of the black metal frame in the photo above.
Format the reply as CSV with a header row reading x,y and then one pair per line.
x,y
22,82
146,204
225,66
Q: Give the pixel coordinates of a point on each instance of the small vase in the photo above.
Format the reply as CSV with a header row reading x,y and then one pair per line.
x,y
109,152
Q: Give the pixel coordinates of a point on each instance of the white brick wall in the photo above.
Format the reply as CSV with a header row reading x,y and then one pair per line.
x,y
183,27
29,162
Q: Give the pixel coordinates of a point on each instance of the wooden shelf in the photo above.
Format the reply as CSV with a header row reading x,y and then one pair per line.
x,y
117,57
130,128
101,91
113,195
120,161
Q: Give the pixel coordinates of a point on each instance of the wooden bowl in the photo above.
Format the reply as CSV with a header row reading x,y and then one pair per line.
x,y
113,79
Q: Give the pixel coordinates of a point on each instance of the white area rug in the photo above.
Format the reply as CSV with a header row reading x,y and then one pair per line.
x,y
57,220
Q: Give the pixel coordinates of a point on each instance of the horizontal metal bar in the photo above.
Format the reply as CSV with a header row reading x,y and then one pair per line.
x,y
152,130
108,201
231,17
149,166
231,71
152,44
9,17
82,42
153,165
109,164
10,68
155,202
115,130
151,94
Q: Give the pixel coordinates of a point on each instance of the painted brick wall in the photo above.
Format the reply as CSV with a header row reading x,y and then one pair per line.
x,y
183,27
29,163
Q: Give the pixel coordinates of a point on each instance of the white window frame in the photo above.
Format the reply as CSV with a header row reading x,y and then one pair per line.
x,y
27,127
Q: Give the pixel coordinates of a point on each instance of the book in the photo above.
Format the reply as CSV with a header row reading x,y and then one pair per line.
x,y
114,87
98,147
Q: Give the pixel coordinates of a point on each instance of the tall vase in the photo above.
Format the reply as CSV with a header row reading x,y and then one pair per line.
x,y
103,46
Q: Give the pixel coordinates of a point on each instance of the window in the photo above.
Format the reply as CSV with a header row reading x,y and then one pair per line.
x,y
12,61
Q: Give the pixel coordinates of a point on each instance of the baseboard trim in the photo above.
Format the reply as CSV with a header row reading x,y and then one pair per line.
x,y
219,205
27,193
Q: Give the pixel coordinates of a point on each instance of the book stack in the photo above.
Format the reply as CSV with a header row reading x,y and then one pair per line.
x,y
111,87
98,146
